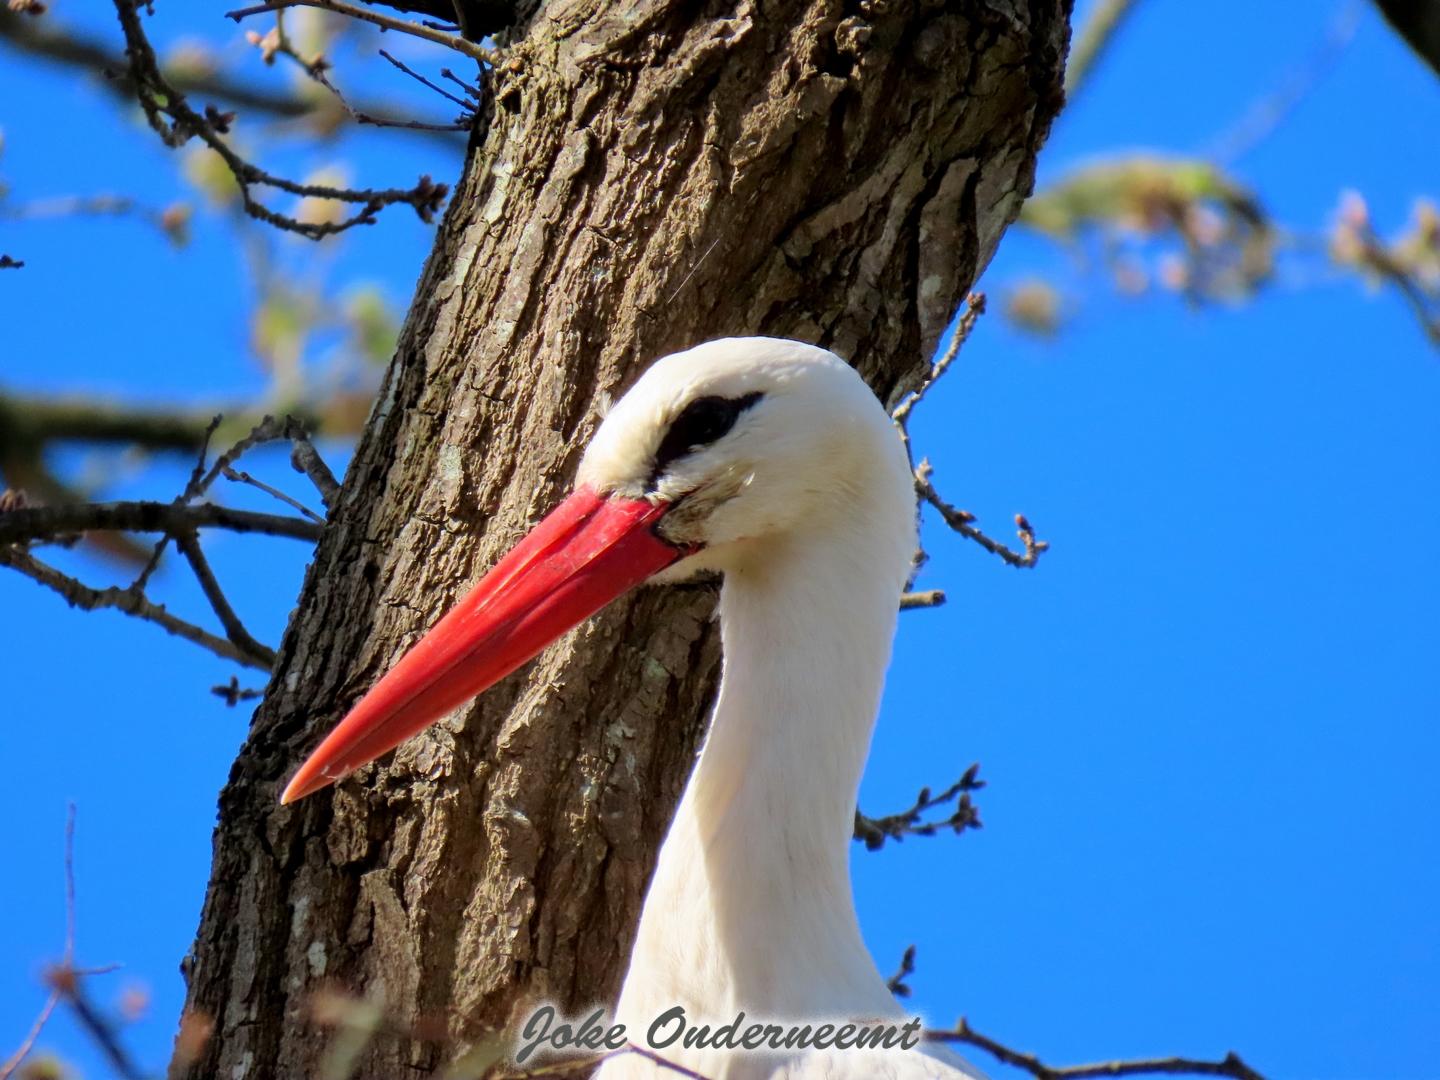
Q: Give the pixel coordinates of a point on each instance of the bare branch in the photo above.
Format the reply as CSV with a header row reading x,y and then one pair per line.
x,y
962,521
1230,1066
179,520
387,22
131,601
172,118
466,105
875,831
267,430
192,490
189,546
242,477
470,91
277,43
974,308
39,524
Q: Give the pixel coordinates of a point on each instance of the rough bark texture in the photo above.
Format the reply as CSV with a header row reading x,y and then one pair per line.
x,y
655,174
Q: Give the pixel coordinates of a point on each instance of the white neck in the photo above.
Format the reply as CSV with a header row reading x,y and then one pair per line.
x,y
751,907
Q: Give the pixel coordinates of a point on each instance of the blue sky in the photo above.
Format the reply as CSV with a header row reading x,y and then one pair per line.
x,y
1207,718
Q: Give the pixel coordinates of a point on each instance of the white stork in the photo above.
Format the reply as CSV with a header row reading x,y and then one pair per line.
x,y
771,462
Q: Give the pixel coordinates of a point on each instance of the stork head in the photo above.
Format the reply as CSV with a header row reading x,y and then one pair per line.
x,y
716,455
745,441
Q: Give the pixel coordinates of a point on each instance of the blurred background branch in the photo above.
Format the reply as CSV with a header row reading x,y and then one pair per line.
x,y
191,70
1092,41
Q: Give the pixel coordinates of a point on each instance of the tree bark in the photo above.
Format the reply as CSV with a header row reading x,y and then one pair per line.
x,y
654,174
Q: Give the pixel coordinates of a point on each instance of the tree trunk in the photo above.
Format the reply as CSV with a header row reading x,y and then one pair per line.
x,y
654,174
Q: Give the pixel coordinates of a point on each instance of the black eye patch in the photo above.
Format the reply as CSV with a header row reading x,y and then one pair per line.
x,y
701,423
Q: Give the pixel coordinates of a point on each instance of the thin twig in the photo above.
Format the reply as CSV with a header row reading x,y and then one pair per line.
x,y
388,22
40,419
22,525
317,68
374,120
962,521
303,455
192,489
873,832
1371,253
130,601
14,1060
1230,1065
470,91
189,546
242,477
974,308
267,430
426,82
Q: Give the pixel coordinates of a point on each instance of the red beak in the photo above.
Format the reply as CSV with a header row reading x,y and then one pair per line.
x,y
589,550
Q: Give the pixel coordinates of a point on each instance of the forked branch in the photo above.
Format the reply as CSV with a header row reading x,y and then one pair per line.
x,y
873,832
961,521
22,526
176,122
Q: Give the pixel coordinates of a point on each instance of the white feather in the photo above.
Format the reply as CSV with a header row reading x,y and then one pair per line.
x,y
807,506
